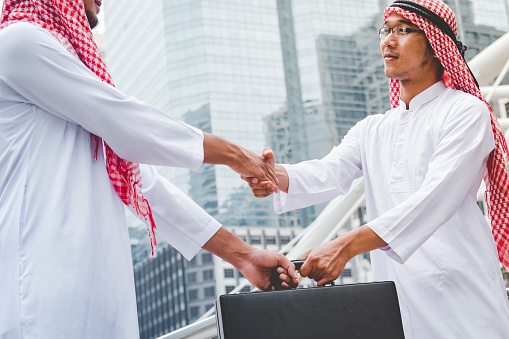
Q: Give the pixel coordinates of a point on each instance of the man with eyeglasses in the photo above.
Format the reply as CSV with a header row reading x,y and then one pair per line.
x,y
422,163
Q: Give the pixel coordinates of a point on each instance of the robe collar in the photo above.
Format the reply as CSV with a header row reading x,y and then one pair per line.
x,y
424,97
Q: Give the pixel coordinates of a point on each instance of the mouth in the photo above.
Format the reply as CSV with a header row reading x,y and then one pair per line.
x,y
389,57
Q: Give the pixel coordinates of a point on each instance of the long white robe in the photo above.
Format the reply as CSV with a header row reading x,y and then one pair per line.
x,y
422,168
65,259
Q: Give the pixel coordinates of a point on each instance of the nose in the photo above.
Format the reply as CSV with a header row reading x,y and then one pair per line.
x,y
389,40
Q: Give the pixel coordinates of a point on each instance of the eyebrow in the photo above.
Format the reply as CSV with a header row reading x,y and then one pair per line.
x,y
402,21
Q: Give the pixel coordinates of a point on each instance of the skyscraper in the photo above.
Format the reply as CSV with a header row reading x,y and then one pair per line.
x,y
221,60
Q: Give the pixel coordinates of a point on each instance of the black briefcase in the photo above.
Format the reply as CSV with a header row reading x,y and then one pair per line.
x,y
369,310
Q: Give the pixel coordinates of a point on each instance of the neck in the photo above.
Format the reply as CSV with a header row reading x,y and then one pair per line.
x,y
410,89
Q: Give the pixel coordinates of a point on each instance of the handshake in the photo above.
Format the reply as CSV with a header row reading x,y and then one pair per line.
x,y
276,177
324,263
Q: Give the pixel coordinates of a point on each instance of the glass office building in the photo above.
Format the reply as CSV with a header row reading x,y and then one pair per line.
x,y
216,64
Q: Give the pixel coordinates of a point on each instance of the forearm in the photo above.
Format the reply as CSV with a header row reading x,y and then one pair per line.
x,y
218,150
360,240
229,247
248,164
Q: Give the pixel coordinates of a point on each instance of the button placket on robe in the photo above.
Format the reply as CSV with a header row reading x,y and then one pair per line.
x,y
398,182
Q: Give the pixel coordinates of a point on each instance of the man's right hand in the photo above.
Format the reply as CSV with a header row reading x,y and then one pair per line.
x,y
218,150
263,188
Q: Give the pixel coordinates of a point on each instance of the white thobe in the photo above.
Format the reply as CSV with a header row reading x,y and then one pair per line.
x,y
422,168
65,259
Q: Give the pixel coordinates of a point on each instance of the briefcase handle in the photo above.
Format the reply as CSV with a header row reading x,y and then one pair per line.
x,y
275,282
298,263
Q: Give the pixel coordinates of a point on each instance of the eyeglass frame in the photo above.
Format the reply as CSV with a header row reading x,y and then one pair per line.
x,y
396,31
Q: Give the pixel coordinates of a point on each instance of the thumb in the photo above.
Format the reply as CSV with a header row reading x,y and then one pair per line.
x,y
304,269
290,268
268,154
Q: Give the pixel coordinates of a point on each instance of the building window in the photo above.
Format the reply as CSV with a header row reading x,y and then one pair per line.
x,y
229,289
284,239
228,273
193,261
210,291
208,275
246,289
206,258
193,295
271,240
347,273
256,240
195,311
191,277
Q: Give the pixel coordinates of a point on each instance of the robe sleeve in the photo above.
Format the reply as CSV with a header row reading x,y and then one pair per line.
x,y
179,220
315,181
46,75
457,164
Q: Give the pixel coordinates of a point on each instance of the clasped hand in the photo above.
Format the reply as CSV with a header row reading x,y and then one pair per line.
x,y
261,187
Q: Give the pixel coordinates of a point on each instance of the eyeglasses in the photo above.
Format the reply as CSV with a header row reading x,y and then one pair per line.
x,y
398,31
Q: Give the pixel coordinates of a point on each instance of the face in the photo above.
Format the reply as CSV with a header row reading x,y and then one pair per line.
x,y
408,58
91,10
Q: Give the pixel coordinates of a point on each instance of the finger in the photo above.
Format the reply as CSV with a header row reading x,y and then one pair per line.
x,y
325,280
251,180
290,268
287,281
305,269
267,152
262,194
271,174
292,284
312,273
260,188
266,286
269,157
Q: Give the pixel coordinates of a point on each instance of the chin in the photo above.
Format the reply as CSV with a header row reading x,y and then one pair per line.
x,y
92,19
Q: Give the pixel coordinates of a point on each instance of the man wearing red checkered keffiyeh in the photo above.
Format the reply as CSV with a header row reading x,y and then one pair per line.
x,y
422,164
70,148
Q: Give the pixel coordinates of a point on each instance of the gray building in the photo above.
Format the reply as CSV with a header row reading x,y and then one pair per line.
x,y
217,65
161,293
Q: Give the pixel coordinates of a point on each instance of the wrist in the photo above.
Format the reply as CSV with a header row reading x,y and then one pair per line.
x,y
229,247
361,240
219,151
282,176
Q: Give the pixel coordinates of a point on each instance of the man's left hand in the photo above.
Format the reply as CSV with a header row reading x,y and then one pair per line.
x,y
259,265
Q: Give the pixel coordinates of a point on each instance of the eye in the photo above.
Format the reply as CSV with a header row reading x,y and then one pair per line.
x,y
384,31
402,30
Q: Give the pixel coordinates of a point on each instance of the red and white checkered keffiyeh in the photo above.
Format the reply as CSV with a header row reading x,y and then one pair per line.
x,y
66,20
457,75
